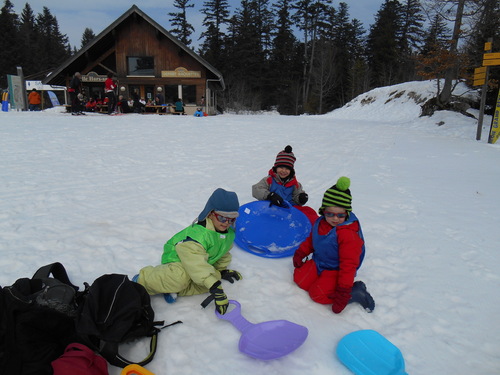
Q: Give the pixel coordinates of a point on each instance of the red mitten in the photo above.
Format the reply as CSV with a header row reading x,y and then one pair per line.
x,y
298,259
340,298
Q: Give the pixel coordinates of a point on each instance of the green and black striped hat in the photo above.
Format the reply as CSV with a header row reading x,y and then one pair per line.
x,y
338,195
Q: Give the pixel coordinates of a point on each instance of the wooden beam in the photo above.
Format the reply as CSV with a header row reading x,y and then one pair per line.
x,y
99,61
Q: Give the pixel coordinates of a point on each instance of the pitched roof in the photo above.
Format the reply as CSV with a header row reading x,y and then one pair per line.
x,y
105,40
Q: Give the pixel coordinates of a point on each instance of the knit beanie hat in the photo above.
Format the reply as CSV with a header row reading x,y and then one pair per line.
x,y
224,202
338,195
285,158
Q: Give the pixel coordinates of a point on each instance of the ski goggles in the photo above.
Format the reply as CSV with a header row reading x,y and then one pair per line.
x,y
333,214
223,219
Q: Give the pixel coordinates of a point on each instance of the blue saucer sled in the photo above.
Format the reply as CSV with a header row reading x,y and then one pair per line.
x,y
367,352
270,231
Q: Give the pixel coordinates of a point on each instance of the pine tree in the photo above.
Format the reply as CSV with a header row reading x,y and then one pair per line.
x,y
9,43
29,41
285,61
347,38
54,46
383,44
216,19
411,38
87,36
310,16
182,28
436,36
247,56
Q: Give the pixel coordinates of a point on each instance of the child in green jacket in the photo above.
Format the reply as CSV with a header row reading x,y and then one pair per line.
x,y
196,259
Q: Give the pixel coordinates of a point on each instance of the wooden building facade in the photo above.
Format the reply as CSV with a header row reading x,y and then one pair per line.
x,y
145,59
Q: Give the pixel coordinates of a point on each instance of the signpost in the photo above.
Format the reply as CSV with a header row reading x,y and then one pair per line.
x,y
490,59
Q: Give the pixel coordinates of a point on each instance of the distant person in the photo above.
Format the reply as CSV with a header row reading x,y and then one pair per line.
x,y
123,105
179,106
75,88
34,100
109,89
159,98
199,113
91,105
337,246
137,106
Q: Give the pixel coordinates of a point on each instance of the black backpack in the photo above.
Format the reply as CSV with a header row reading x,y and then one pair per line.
x,y
37,321
117,310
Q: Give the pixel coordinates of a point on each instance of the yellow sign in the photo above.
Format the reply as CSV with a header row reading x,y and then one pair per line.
x,y
495,126
180,73
479,76
491,62
487,46
491,59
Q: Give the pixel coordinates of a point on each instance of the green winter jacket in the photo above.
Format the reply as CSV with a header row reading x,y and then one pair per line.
x,y
201,250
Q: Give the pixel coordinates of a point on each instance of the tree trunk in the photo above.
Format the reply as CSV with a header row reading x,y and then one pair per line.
x,y
450,75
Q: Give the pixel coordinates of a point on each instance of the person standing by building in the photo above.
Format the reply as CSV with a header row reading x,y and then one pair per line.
x,y
34,100
159,98
75,88
109,89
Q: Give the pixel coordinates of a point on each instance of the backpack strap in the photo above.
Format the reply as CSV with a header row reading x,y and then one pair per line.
x,y
57,270
109,350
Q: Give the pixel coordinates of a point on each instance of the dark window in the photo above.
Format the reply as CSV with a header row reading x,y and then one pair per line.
x,y
189,94
141,66
171,93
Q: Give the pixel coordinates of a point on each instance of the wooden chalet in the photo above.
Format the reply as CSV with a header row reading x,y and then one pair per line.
x,y
145,59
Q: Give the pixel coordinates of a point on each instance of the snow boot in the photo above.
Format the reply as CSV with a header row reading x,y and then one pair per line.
x,y
170,297
360,295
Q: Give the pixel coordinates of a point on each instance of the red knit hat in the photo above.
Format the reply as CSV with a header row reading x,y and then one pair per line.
x,y
285,158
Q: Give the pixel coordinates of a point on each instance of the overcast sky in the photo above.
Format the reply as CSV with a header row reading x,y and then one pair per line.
x,y
74,16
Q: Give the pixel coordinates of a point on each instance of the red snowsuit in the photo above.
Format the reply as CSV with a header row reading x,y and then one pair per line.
x,y
322,283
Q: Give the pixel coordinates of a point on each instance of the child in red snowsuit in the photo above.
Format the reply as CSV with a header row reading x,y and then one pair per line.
x,y
337,247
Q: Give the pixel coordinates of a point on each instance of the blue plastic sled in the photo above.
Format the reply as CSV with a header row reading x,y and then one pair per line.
x,y
367,352
270,231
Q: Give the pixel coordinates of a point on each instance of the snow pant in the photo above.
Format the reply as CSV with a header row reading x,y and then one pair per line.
x,y
111,101
169,278
309,212
319,286
75,102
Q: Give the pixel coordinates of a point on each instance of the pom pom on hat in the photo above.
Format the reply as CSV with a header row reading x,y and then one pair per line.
x,y
343,183
285,158
338,195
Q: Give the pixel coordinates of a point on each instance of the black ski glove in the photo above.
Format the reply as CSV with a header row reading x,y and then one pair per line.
x,y
221,301
230,275
303,198
275,199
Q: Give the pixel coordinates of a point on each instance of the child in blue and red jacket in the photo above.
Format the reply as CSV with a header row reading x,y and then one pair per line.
x,y
337,246
281,185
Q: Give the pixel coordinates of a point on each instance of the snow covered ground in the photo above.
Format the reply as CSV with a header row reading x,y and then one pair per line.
x,y
103,194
